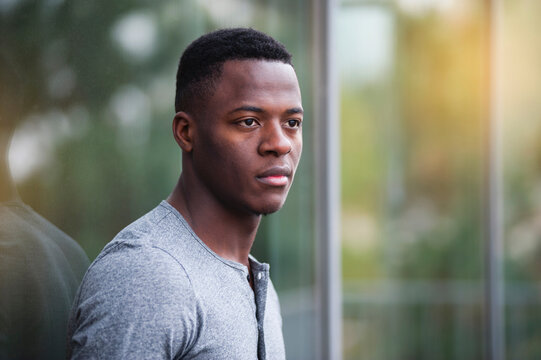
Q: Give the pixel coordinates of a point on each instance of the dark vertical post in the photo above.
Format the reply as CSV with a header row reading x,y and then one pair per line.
x,y
327,139
493,193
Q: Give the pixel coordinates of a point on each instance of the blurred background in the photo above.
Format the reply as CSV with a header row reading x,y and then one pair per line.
x,y
438,118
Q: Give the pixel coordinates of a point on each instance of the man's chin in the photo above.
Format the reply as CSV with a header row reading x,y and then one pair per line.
x,y
268,209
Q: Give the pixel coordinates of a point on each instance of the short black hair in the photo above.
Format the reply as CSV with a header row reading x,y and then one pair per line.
x,y
201,63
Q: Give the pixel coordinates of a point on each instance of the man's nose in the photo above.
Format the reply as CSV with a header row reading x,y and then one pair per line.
x,y
274,140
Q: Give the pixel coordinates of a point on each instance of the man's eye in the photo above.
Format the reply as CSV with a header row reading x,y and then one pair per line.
x,y
293,123
248,122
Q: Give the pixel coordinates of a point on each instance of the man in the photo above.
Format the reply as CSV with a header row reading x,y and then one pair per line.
x,y
179,282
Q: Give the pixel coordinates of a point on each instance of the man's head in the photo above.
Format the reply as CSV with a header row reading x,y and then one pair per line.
x,y
242,139
201,63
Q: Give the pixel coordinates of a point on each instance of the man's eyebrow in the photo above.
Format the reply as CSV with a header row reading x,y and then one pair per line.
x,y
248,108
295,110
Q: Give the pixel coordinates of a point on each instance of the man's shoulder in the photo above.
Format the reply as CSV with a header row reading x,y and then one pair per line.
x,y
135,266
134,299
162,228
150,247
145,227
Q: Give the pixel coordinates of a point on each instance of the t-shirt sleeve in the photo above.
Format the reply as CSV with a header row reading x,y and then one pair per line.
x,y
133,303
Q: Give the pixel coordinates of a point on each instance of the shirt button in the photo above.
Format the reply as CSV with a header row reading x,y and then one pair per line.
x,y
259,276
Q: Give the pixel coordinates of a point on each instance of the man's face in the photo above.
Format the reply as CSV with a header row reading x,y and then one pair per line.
x,y
249,136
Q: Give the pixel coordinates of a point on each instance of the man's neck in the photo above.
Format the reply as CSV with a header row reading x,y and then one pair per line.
x,y
228,233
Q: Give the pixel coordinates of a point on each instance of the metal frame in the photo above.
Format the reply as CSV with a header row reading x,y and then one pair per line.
x,y
328,290
493,181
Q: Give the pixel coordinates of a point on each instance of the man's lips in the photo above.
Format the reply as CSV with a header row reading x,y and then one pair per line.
x,y
275,176
275,180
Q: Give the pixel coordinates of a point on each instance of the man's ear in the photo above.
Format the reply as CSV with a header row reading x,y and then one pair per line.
x,y
183,130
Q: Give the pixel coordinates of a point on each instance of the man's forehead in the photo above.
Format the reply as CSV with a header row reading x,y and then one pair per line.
x,y
250,84
255,61
255,69
254,76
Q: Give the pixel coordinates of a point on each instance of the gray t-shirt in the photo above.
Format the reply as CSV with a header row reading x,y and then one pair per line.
x,y
158,292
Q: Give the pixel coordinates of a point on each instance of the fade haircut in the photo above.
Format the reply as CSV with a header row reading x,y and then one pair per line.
x,y
201,64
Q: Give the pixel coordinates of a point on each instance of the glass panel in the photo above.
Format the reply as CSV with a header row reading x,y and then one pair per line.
x,y
93,150
520,108
412,102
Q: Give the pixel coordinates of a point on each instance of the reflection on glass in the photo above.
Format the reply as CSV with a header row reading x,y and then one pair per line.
x,y
40,266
